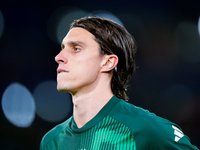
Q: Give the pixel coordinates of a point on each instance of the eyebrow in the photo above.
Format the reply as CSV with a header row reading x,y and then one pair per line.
x,y
70,43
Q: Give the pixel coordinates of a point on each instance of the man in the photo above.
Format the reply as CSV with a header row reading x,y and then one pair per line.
x,y
95,64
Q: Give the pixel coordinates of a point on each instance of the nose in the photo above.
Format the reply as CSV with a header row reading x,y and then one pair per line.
x,y
60,58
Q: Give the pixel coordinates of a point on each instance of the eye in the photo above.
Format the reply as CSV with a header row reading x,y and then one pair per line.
x,y
62,47
76,49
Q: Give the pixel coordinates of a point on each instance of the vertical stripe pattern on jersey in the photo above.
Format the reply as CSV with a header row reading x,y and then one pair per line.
x,y
108,134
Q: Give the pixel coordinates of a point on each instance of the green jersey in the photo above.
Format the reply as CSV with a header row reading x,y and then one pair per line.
x,y
118,126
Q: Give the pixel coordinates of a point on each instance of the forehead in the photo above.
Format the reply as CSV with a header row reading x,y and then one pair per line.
x,y
79,34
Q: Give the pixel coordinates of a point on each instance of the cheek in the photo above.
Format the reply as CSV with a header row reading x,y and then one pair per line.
x,y
90,65
89,68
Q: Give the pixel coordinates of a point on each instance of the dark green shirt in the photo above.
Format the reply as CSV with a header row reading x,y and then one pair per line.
x,y
118,126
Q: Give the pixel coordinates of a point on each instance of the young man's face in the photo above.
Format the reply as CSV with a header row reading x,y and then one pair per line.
x,y
79,62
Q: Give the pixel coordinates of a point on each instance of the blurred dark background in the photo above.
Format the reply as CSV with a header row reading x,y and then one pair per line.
x,y
166,82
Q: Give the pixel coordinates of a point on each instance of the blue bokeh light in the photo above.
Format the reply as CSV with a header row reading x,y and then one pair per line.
x,y
18,105
199,26
51,105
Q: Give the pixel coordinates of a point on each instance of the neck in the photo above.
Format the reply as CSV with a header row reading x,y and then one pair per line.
x,y
87,105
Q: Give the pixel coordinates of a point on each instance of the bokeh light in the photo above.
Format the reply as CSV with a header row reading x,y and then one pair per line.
x,y
199,26
188,42
60,21
106,14
51,105
18,105
1,24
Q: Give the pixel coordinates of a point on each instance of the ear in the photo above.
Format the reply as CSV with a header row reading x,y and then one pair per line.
x,y
109,62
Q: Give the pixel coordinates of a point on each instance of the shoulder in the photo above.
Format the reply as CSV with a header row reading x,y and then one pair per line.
x,y
150,130
125,111
136,118
164,134
54,132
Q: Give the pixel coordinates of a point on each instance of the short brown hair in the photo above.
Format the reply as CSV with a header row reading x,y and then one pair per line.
x,y
113,39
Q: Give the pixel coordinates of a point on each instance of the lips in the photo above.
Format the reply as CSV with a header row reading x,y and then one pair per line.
x,y
59,70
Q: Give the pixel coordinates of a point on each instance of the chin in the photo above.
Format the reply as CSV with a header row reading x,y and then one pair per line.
x,y
62,90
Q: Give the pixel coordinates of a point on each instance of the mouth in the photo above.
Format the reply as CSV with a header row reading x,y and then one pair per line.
x,y
59,70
